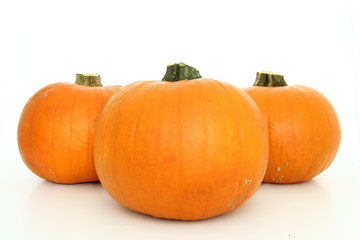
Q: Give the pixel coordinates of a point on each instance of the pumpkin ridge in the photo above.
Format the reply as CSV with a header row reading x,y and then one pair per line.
x,y
206,133
227,94
180,154
156,134
102,95
72,106
111,88
149,92
273,102
56,90
50,142
131,93
91,123
306,172
104,178
324,164
291,101
316,95
133,145
31,140
232,203
134,93
268,115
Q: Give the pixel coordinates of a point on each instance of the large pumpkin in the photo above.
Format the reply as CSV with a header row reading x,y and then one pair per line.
x,y
181,149
304,131
56,128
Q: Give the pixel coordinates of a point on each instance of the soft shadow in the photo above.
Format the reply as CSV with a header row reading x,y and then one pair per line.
x,y
295,202
82,210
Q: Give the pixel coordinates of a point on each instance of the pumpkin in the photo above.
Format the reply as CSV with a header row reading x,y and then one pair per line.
x,y
185,148
304,130
56,128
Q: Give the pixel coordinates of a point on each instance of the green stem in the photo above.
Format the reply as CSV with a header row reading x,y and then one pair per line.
x,y
88,79
269,79
180,71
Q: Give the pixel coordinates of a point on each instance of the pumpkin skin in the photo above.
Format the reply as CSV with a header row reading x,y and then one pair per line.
x,y
56,128
185,150
304,131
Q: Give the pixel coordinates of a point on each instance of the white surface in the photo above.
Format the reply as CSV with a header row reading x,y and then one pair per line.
x,y
326,207
310,42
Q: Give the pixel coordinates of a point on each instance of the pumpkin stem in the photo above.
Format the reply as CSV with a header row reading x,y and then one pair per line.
x,y
180,71
269,79
88,79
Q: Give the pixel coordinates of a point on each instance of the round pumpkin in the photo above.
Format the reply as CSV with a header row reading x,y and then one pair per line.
x,y
56,128
184,148
304,130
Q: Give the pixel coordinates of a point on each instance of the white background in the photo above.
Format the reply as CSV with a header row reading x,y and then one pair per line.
x,y
311,42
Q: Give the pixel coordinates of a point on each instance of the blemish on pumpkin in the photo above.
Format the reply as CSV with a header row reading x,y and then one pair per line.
x,y
286,164
231,205
276,180
248,181
45,94
66,150
278,169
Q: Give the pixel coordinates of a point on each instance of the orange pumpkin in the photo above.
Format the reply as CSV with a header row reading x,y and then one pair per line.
x,y
181,149
304,130
56,128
